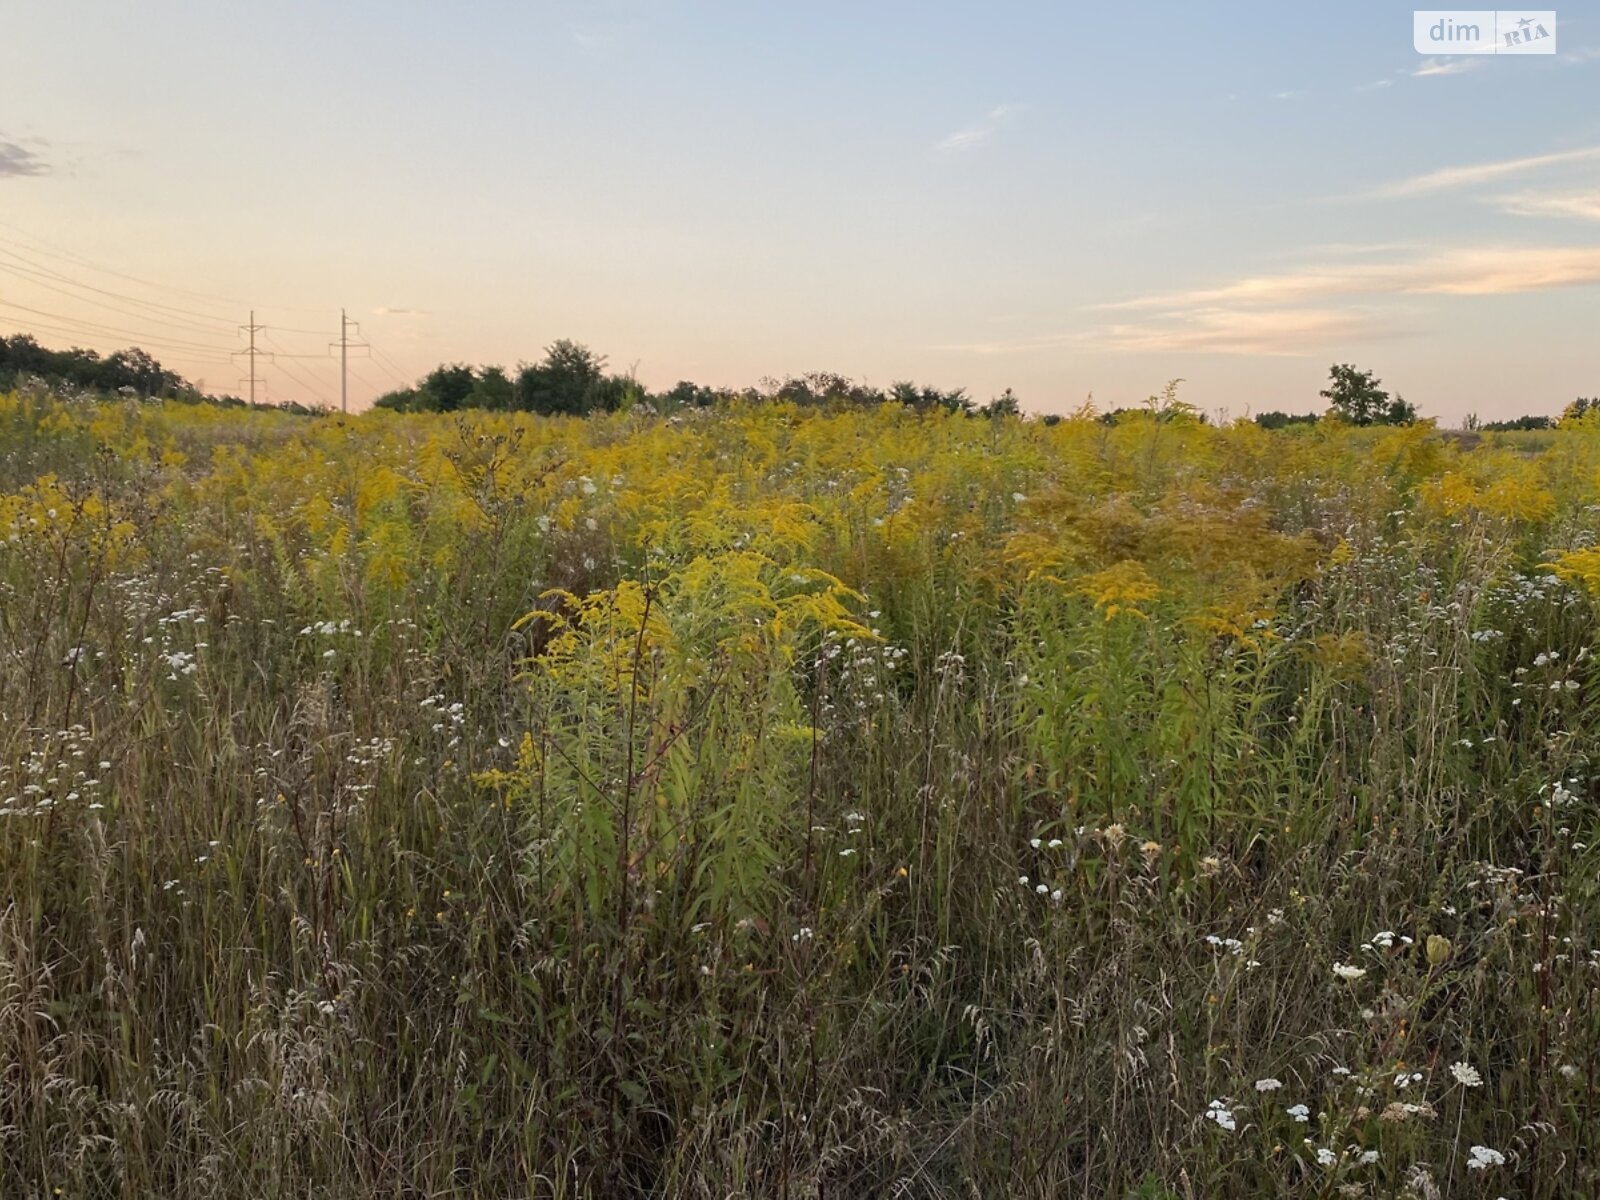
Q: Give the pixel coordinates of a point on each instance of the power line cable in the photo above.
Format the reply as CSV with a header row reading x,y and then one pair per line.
x,y
367,383
385,364
389,365
46,271
48,249
188,356
301,381
95,328
185,325
294,373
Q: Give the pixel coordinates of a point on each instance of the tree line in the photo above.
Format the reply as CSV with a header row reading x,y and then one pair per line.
x,y
572,380
130,372
134,369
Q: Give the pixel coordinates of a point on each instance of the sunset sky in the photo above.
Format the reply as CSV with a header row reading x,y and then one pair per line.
x,y
1061,199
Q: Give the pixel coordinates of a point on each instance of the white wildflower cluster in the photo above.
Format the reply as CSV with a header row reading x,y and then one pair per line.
x,y
1481,1158
370,752
854,823
1331,1158
179,663
1232,945
1385,939
178,639
1042,889
330,628
1221,1112
192,616
864,670
54,770
446,717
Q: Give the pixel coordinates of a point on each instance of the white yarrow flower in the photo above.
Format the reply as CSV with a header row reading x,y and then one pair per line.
x,y
1268,1085
1346,971
1481,1158
1466,1074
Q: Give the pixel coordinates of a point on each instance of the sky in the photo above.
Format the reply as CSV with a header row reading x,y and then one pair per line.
x,y
1074,202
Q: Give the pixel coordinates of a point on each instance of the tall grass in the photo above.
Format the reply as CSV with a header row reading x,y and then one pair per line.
x,y
774,803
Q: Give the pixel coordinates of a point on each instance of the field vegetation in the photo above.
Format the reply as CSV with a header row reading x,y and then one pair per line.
x,y
789,800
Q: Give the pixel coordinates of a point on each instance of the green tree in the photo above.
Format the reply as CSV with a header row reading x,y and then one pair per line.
x,y
1519,424
685,394
402,400
1281,420
493,389
1580,408
929,399
1005,404
568,381
448,387
823,389
1356,397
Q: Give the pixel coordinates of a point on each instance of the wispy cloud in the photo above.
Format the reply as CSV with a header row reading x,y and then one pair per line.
x,y
1288,95
1448,178
1282,332
972,136
388,310
966,139
597,35
1583,54
1448,66
1374,85
1481,271
1584,206
1209,330
17,160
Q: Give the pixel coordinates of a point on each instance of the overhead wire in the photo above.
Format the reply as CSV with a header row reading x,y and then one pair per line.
x,y
97,329
388,364
37,269
188,355
17,259
293,373
50,249
174,323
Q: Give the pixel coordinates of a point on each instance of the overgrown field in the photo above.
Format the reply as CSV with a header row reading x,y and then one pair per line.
x,y
777,802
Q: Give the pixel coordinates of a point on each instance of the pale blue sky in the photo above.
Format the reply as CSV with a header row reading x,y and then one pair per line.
x,y
1063,199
